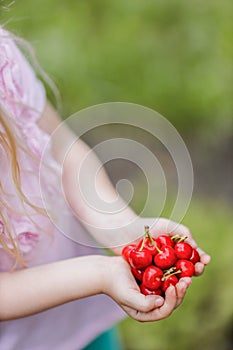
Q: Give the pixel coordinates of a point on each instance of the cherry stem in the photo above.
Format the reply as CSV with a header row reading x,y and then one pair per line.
x,y
183,238
167,272
143,243
147,234
175,237
164,278
158,250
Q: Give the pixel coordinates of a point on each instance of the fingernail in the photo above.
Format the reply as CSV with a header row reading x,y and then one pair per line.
x,y
172,290
183,284
159,301
186,280
190,282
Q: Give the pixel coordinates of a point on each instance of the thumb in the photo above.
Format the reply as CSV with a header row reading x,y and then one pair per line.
x,y
141,302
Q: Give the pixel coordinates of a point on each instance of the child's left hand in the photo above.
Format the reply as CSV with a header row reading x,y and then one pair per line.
x,y
121,286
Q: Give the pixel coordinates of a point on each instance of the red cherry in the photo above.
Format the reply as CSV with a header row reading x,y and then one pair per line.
x,y
183,250
195,257
170,280
166,257
152,277
140,259
147,291
138,274
186,267
149,244
165,240
126,251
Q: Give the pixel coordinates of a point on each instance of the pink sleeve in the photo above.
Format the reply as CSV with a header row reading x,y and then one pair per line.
x,y
22,95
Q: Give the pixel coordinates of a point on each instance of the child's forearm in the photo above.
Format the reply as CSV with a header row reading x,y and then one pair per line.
x,y
30,291
108,228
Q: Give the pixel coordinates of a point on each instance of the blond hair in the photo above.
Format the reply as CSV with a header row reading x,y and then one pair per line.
x,y
10,144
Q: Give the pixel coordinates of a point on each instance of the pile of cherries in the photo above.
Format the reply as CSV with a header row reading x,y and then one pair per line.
x,y
157,263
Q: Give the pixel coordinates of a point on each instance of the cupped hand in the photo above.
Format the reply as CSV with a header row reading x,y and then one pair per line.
x,y
164,226
120,285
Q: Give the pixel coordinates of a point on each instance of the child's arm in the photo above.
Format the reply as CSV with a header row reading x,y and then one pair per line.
x,y
33,290
91,218
111,229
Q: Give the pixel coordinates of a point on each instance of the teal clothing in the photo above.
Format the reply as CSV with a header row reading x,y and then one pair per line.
x,y
109,340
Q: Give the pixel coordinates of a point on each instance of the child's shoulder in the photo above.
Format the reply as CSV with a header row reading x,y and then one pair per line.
x,y
20,89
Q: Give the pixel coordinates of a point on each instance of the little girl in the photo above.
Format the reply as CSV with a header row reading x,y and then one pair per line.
x,y
55,293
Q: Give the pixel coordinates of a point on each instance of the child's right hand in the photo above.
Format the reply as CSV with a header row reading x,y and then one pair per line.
x,y
119,283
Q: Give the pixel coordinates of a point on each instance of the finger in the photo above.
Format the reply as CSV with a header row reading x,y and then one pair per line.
x,y
199,269
158,313
164,226
173,228
170,302
181,230
181,288
140,302
200,266
205,258
184,231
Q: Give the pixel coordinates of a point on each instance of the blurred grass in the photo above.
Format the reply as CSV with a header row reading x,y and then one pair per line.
x,y
173,56
202,321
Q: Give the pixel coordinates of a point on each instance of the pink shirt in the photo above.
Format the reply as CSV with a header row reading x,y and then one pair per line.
x,y
75,324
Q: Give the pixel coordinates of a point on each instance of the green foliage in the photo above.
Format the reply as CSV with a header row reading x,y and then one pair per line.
x,y
173,56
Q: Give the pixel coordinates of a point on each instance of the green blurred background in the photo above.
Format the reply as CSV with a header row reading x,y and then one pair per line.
x,y
177,58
